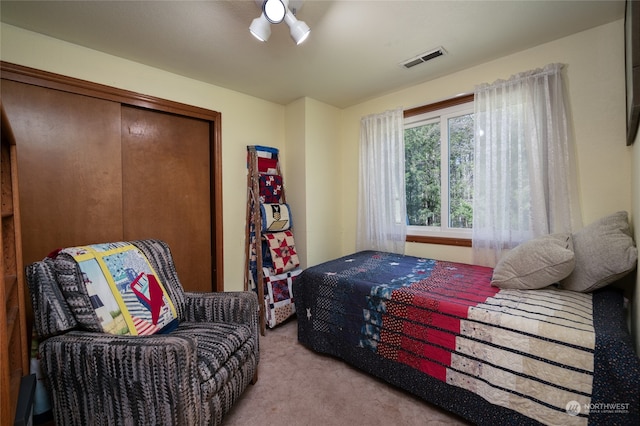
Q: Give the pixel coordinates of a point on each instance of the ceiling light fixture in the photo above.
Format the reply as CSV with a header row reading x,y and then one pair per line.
x,y
274,12
260,28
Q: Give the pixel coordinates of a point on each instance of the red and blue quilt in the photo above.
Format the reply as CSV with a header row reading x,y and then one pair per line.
x,y
441,331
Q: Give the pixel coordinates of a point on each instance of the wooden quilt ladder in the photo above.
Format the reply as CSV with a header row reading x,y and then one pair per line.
x,y
263,165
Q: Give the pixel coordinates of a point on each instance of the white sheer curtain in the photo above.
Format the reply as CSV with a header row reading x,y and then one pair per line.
x,y
524,178
381,205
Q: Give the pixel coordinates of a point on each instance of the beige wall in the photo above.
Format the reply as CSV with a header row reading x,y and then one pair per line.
x,y
295,177
246,120
595,81
312,142
323,183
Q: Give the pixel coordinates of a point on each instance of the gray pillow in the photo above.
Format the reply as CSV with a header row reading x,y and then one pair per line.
x,y
605,252
536,263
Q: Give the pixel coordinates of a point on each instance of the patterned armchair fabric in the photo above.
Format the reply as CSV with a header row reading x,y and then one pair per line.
x,y
190,376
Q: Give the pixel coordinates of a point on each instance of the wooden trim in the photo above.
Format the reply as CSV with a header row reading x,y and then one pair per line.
x,y
64,83
458,100
216,214
22,74
14,339
460,242
5,129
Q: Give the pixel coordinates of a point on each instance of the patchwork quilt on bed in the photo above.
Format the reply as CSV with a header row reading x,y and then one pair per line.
x,y
533,352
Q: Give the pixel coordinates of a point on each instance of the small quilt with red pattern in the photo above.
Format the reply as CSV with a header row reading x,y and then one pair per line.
x,y
278,296
270,188
283,251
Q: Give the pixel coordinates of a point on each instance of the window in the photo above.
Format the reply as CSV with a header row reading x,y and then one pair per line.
x,y
439,169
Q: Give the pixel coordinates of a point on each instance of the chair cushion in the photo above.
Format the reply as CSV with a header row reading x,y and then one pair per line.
x,y
113,288
222,349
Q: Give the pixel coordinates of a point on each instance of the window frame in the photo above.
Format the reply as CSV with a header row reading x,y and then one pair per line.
x,y
441,235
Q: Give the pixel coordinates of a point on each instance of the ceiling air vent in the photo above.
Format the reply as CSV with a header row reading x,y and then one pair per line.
x,y
423,57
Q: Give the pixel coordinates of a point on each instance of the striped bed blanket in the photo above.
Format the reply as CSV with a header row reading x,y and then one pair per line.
x,y
441,331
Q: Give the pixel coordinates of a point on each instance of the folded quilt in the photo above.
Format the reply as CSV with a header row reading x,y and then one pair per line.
x,y
278,296
283,251
270,188
267,159
276,217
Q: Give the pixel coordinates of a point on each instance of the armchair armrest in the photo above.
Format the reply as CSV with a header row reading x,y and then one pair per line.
x,y
239,307
102,379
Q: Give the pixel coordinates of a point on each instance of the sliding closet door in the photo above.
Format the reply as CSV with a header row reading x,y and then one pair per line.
x,y
69,165
166,188
98,164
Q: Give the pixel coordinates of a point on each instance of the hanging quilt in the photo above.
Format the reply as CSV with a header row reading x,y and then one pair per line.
x,y
267,159
270,241
270,188
275,217
283,251
278,296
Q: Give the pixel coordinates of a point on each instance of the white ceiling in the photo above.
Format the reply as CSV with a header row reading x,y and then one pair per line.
x,y
352,54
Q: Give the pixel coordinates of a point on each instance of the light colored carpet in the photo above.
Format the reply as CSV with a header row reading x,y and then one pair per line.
x,y
298,387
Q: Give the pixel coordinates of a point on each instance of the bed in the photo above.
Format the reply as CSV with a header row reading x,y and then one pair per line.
x,y
492,356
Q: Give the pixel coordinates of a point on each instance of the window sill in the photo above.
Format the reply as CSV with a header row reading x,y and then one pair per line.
x,y
460,242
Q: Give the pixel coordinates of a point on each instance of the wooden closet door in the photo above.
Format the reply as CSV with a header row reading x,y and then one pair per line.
x,y
69,165
166,188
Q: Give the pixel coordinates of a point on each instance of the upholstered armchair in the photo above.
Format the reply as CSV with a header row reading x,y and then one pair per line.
x,y
189,372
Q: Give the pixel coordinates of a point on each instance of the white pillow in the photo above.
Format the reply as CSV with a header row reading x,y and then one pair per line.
x,y
536,263
605,252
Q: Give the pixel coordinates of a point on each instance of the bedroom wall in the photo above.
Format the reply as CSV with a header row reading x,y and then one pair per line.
x,y
295,178
246,120
312,147
595,83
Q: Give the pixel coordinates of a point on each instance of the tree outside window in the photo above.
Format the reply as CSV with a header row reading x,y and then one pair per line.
x,y
439,176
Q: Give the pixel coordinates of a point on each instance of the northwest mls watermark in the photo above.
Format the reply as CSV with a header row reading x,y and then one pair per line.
x,y
574,408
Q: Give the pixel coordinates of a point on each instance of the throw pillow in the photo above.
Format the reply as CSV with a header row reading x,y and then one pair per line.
x,y
536,263
605,252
